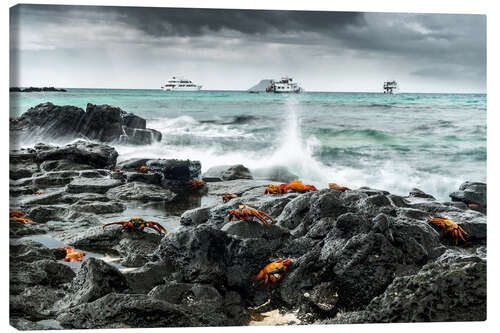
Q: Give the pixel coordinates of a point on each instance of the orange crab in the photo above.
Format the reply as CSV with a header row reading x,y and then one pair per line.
x,y
336,187
72,254
245,212
273,271
449,227
197,184
273,189
17,216
295,185
143,169
137,223
228,196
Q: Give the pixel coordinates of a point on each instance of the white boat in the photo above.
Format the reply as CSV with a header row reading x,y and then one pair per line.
x,y
285,85
391,87
180,84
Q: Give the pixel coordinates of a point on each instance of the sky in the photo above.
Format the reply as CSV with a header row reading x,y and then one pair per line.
x,y
134,47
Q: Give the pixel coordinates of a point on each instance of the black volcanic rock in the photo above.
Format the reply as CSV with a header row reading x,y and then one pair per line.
x,y
82,152
227,172
51,121
471,193
175,174
103,123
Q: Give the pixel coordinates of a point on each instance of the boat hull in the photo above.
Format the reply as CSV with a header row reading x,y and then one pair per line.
x,y
181,89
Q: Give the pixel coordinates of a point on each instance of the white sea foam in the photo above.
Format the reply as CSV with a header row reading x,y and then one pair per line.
x,y
296,153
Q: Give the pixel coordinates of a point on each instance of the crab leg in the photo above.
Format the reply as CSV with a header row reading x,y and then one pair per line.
x,y
18,219
262,219
123,223
156,226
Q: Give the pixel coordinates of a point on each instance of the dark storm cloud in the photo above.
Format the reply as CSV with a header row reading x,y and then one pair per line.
x,y
194,22
180,21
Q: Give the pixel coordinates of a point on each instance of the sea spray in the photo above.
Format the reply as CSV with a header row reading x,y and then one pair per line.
x,y
430,141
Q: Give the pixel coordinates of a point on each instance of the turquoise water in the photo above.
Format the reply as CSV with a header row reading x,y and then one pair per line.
x,y
393,142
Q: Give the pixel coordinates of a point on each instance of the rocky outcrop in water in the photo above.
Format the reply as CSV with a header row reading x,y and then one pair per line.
x,y
226,172
35,89
472,194
102,123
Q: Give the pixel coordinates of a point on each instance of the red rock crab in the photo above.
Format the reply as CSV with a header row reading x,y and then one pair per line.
x,y
137,223
449,227
72,254
245,212
273,271
17,216
294,185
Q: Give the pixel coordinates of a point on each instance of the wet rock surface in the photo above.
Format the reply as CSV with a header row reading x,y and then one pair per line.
x,y
363,255
227,172
102,123
140,191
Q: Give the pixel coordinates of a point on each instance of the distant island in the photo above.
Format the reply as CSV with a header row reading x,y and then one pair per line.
x,y
35,89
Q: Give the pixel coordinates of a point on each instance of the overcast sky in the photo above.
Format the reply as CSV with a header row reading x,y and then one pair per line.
x,y
131,47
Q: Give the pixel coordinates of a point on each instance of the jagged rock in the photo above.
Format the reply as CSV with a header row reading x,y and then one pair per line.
x,y
254,229
138,136
81,152
61,165
43,272
195,216
323,296
439,292
471,193
226,172
114,310
94,185
417,193
25,325
104,123
134,260
22,170
99,207
140,191
94,279
148,178
176,174
277,173
35,302
203,299
29,251
198,253
130,120
132,164
152,274
51,121
101,122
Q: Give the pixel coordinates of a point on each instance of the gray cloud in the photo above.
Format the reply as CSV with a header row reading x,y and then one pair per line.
x,y
367,46
194,22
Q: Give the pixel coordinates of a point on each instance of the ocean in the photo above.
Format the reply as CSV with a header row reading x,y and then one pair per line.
x,y
433,142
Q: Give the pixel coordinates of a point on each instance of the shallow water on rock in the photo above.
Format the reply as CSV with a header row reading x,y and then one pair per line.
x,y
50,242
51,324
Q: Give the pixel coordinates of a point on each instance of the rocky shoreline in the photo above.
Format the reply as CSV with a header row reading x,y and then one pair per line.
x,y
36,89
363,255
357,256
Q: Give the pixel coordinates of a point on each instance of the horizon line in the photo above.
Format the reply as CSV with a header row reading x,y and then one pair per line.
x,y
247,90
